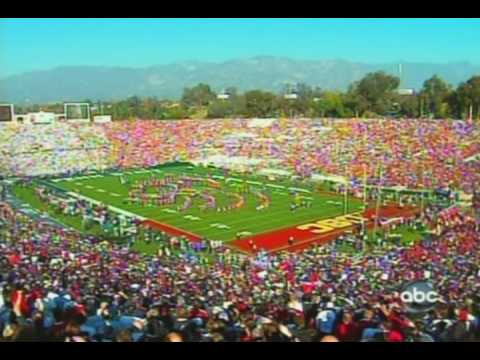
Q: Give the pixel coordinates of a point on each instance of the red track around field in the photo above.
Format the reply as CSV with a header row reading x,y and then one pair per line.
x,y
172,230
277,240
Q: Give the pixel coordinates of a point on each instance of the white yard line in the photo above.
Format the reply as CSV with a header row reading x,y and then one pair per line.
x,y
170,211
276,186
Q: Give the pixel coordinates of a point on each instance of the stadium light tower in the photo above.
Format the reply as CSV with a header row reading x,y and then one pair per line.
x,y
224,95
379,202
400,74
291,95
345,199
470,114
402,90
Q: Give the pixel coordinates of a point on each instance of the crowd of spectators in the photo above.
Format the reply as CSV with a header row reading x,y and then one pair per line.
x,y
411,153
56,285
59,285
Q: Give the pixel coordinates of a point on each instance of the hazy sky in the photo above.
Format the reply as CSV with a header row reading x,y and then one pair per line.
x,y
33,44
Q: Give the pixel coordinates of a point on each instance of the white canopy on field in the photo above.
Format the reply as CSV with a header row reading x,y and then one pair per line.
x,y
333,178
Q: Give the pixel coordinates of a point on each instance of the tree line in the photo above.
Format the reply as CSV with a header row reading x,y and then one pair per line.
x,y
375,95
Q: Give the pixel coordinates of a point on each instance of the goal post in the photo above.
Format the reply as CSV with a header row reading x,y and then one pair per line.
x,y
77,112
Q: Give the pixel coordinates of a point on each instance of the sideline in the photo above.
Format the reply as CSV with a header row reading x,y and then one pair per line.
x,y
112,208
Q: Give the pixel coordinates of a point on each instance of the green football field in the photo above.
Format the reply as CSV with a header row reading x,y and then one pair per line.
x,y
225,226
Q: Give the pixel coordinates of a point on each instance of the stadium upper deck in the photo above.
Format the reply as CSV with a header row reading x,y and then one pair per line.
x,y
411,153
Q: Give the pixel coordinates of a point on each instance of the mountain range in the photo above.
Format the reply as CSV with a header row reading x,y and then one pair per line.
x,y
77,83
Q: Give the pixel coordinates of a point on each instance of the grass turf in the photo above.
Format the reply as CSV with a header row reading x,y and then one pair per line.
x,y
27,194
109,190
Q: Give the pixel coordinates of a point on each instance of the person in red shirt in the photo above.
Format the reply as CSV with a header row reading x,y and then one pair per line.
x,y
347,330
20,303
14,259
393,335
396,326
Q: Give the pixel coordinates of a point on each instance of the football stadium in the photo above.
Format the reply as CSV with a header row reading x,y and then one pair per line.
x,y
290,222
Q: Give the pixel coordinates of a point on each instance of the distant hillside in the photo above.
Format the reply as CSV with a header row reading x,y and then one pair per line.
x,y
167,81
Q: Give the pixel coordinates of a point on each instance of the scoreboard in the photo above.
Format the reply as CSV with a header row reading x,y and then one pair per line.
x,y
6,112
77,112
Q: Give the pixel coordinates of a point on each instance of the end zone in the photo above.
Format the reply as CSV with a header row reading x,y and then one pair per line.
x,y
319,232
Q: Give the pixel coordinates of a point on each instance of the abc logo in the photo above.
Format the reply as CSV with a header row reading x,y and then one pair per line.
x,y
419,296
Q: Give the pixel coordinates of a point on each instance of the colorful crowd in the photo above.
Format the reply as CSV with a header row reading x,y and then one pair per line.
x,y
56,285
411,153
59,285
